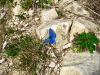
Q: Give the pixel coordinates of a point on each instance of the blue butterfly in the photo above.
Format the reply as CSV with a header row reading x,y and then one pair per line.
x,y
51,38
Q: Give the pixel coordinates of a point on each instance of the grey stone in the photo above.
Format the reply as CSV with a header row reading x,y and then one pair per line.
x,y
48,15
63,3
65,30
81,25
3,68
72,63
73,7
17,1
18,10
2,13
85,63
61,28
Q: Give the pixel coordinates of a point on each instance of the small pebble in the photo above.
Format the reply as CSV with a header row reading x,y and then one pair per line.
x,y
4,44
2,60
52,64
16,23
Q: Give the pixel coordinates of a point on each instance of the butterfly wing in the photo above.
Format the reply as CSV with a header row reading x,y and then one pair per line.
x,y
47,40
52,34
52,41
51,38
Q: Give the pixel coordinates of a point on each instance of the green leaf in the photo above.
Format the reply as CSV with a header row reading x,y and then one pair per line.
x,y
86,40
91,48
41,3
49,1
12,49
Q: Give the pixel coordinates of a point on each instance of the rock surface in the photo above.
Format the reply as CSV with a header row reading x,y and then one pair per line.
x,y
81,25
2,13
18,10
80,63
63,3
48,15
70,71
4,68
73,8
72,63
55,1
17,1
77,9
65,30
61,28
2,60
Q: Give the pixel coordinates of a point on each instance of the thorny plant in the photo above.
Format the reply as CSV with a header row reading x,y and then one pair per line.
x,y
85,41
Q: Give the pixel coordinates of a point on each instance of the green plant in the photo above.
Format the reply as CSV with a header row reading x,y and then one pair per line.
x,y
12,49
31,51
3,2
76,49
26,4
42,2
98,29
86,41
10,30
59,12
21,16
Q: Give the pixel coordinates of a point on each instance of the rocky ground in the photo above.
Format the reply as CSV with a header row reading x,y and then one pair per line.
x,y
65,17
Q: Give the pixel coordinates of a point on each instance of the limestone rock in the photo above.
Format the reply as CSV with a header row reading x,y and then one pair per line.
x,y
81,25
65,30
61,28
55,1
77,9
48,15
2,60
67,46
63,3
77,27
73,7
16,23
17,1
81,63
70,71
4,44
2,13
36,18
52,64
18,10
3,68
30,12
14,73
